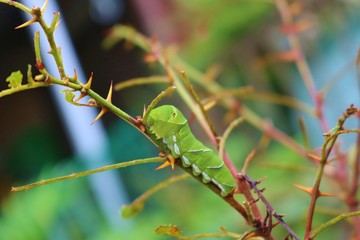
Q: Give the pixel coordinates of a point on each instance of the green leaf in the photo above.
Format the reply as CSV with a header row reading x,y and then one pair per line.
x,y
128,211
14,79
69,97
168,230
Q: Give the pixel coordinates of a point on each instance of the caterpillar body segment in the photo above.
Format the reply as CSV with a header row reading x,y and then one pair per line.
x,y
168,127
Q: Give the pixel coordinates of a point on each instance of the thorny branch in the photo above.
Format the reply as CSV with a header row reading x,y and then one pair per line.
x,y
330,139
245,182
253,185
85,89
301,63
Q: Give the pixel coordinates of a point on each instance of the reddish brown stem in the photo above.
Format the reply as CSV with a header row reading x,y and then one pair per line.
x,y
244,188
352,201
301,63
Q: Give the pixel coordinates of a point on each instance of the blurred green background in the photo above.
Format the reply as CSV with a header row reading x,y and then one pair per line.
x,y
235,37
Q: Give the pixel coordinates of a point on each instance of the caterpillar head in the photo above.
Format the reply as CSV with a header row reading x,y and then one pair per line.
x,y
165,120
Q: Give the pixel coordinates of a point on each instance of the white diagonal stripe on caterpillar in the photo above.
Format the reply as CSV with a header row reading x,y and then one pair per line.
x,y
216,167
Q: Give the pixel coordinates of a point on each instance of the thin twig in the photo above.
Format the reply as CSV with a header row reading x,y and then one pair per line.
x,y
226,134
88,172
281,100
157,99
140,81
331,222
198,101
17,5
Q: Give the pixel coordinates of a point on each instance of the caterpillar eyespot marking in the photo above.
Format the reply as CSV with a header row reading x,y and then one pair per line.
x,y
168,127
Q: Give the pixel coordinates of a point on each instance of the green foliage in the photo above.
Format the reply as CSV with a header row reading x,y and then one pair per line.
x,y
220,25
168,230
69,97
128,211
284,163
15,79
32,214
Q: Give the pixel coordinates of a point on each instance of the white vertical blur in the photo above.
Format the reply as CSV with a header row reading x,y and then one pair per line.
x,y
89,143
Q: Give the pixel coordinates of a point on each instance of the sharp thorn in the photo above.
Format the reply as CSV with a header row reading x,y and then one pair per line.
x,y
302,188
27,23
164,165
75,74
82,95
172,163
169,162
325,194
89,82
144,111
109,96
44,6
57,24
103,111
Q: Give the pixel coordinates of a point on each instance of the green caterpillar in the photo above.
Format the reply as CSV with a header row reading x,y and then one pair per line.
x,y
168,127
